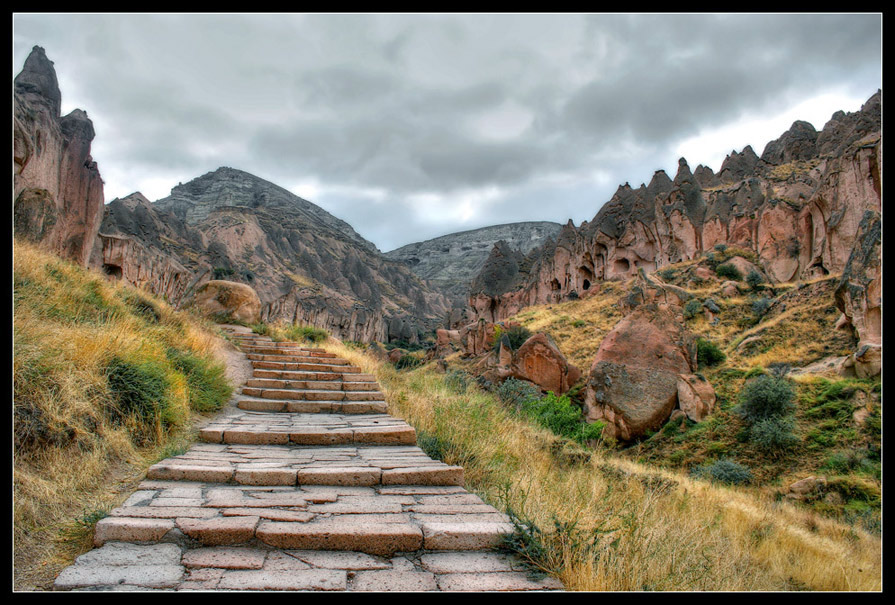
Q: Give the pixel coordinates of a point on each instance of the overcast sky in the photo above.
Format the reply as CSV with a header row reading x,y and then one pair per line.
x,y
414,126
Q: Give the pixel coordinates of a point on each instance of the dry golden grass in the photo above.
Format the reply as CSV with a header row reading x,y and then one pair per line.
x,y
611,524
69,455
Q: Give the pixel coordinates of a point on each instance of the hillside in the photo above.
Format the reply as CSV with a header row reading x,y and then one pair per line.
x,y
106,380
450,262
780,329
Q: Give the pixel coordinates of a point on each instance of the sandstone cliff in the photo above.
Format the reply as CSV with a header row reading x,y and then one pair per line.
x,y
798,207
57,189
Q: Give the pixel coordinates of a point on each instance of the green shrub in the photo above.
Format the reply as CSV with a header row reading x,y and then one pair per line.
x,y
139,392
754,279
408,362
729,271
723,471
515,336
207,381
708,353
307,334
721,247
559,415
515,392
766,396
774,433
692,308
760,306
667,274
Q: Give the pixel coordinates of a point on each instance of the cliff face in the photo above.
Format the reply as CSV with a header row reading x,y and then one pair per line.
x,y
57,189
798,207
306,265
449,263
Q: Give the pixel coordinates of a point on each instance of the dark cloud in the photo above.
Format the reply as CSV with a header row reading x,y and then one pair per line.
x,y
549,111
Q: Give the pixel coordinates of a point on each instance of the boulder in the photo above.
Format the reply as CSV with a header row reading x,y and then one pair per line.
x,y
643,371
226,299
541,362
808,488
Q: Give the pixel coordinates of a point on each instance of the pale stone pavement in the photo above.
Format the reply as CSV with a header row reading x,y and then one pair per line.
x,y
307,484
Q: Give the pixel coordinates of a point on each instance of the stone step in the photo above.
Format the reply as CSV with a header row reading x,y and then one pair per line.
x,y
280,350
311,385
169,566
379,520
265,428
305,465
299,375
330,361
305,367
312,395
312,407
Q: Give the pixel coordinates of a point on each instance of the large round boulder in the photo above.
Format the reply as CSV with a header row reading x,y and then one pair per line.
x,y
228,301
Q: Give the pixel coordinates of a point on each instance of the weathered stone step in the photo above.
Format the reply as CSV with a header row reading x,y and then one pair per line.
x,y
312,385
299,375
308,465
123,566
297,358
312,407
280,350
312,395
307,367
262,428
380,520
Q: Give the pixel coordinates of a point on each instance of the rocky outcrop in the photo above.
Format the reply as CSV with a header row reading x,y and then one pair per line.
x,y
450,262
643,371
306,266
57,189
539,360
797,208
227,301
859,297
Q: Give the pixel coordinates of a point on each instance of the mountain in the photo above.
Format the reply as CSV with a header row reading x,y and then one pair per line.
x,y
450,262
306,265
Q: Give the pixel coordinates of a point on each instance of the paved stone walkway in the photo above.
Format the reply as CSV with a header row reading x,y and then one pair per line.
x,y
307,484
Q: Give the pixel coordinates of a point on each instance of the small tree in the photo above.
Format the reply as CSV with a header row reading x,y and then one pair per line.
x,y
765,397
728,270
754,279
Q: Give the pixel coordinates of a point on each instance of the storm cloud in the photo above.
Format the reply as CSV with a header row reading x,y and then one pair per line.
x,y
413,126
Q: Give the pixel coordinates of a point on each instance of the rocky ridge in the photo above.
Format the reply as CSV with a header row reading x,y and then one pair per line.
x,y
798,208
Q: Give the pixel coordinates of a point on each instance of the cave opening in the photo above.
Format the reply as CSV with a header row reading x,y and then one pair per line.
x,y
113,271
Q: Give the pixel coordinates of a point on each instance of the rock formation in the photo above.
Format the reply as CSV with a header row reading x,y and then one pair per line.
x,y
227,301
307,266
57,189
644,370
798,208
450,262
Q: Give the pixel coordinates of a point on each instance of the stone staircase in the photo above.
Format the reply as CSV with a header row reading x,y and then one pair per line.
x,y
306,484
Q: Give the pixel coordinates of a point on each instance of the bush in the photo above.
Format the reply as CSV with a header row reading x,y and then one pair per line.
x,y
766,396
729,271
140,394
721,247
667,274
457,381
774,433
724,471
760,306
708,353
560,416
307,334
754,279
692,308
515,392
515,335
208,386
408,362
